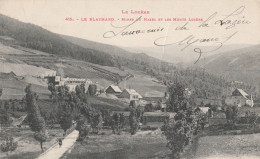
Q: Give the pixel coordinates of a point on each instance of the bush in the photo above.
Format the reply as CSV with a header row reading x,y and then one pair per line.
x,y
92,89
149,107
135,118
117,123
9,145
82,127
252,119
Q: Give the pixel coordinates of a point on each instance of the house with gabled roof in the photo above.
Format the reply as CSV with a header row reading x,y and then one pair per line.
x,y
113,89
203,110
130,94
239,98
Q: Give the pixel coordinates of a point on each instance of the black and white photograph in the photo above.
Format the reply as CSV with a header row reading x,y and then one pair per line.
x,y
130,79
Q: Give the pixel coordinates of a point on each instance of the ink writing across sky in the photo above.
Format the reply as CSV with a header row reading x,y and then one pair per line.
x,y
227,23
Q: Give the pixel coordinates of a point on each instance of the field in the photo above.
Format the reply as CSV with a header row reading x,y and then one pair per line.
x,y
229,146
29,65
106,103
14,89
243,110
221,141
144,84
141,145
28,147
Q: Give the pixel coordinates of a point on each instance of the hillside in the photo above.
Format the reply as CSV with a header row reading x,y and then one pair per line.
x,y
31,54
13,87
28,66
241,65
122,57
173,53
14,33
35,37
21,66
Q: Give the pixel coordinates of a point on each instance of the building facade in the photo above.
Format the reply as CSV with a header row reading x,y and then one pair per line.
x,y
113,89
130,94
239,98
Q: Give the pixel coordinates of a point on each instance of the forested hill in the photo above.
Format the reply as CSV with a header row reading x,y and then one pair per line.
x,y
31,36
121,56
241,64
35,37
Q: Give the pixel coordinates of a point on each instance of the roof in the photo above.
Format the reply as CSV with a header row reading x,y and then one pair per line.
x,y
204,109
73,79
159,114
133,92
115,88
242,92
57,78
151,114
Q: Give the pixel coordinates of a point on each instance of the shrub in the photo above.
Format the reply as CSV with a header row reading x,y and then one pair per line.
x,y
117,123
9,145
135,118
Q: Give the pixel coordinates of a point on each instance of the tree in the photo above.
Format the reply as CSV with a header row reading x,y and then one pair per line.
x,y
52,119
13,105
107,119
179,132
6,105
93,116
9,145
228,114
74,102
63,92
80,92
65,117
82,127
177,99
176,137
96,121
231,114
92,89
53,90
4,118
41,136
117,122
253,117
36,121
149,107
132,104
234,114
135,118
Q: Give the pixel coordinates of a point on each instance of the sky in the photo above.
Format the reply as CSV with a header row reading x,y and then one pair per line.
x,y
51,15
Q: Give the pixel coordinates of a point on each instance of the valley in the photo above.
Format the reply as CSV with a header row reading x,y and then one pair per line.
x,y
124,102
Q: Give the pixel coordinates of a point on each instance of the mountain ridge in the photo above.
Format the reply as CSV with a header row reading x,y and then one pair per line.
x,y
241,64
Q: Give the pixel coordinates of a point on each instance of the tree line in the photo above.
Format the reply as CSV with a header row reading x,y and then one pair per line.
x,y
35,37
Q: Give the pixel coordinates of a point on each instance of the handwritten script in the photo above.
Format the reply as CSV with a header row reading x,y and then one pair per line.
x,y
228,22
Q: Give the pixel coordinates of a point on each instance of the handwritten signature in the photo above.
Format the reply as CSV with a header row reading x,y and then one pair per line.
x,y
228,22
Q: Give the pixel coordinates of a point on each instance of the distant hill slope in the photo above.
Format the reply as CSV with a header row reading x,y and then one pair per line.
x,y
110,49
121,56
14,32
35,37
242,64
205,84
173,53
13,87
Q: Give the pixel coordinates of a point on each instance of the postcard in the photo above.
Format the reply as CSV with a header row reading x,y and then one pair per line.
x,y
129,79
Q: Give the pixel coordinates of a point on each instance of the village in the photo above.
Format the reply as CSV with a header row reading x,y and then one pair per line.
x,y
95,90
157,114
